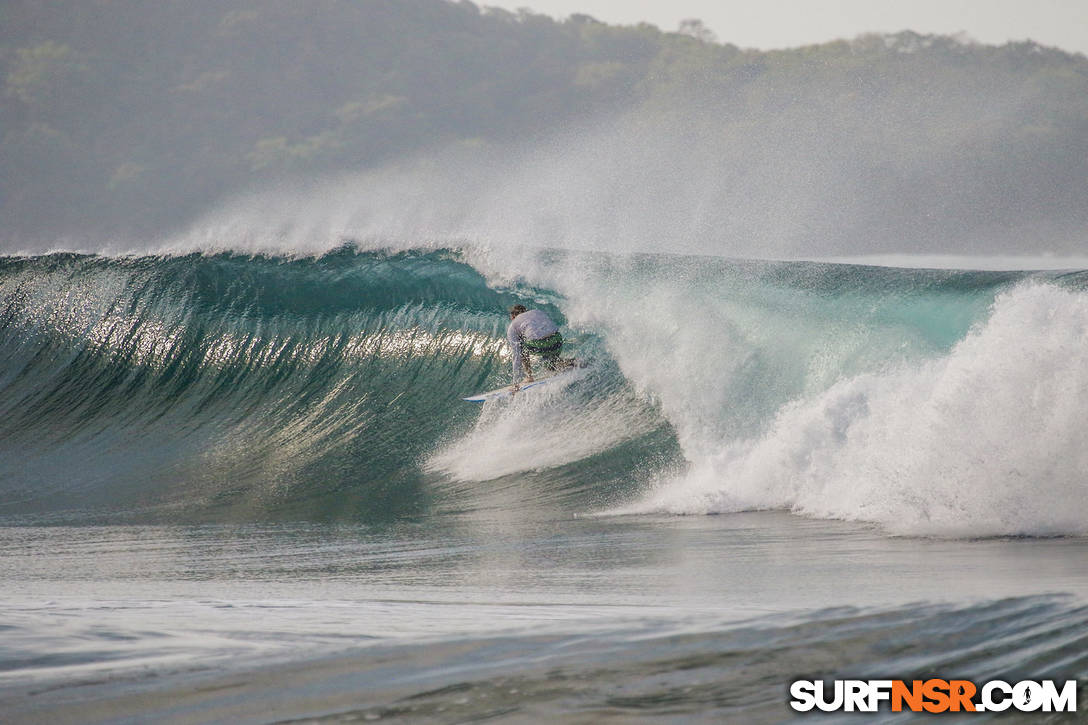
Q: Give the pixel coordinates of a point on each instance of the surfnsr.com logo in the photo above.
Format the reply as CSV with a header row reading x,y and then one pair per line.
x,y
933,696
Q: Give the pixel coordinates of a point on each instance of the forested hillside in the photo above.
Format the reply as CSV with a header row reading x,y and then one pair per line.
x,y
131,116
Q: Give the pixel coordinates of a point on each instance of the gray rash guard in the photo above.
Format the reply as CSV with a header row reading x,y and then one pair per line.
x,y
529,325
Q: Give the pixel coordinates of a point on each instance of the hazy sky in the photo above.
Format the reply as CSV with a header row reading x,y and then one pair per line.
x,y
787,23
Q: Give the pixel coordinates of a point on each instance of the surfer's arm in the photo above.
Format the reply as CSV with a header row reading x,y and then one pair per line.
x,y
521,364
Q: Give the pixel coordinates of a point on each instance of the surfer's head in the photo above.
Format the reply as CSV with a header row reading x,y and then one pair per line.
x,y
516,310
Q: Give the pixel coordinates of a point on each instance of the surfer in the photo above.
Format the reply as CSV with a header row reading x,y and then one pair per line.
x,y
533,332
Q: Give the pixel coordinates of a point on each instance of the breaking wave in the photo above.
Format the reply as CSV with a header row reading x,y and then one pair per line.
x,y
240,387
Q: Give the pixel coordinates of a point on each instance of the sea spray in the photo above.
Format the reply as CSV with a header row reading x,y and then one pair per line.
x,y
982,441
592,412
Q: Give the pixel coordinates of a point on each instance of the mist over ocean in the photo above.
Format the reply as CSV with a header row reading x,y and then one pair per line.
x,y
833,309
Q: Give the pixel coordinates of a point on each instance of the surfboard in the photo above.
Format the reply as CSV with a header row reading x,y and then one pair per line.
x,y
504,392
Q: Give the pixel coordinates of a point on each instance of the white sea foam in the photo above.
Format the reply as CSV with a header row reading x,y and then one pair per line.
x,y
549,427
986,440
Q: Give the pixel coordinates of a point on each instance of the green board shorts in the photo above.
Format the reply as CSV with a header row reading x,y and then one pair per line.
x,y
547,347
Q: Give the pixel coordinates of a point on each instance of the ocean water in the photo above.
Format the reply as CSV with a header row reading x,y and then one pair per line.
x,y
243,487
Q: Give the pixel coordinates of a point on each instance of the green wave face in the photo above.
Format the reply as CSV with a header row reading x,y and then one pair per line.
x,y
247,388
232,387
